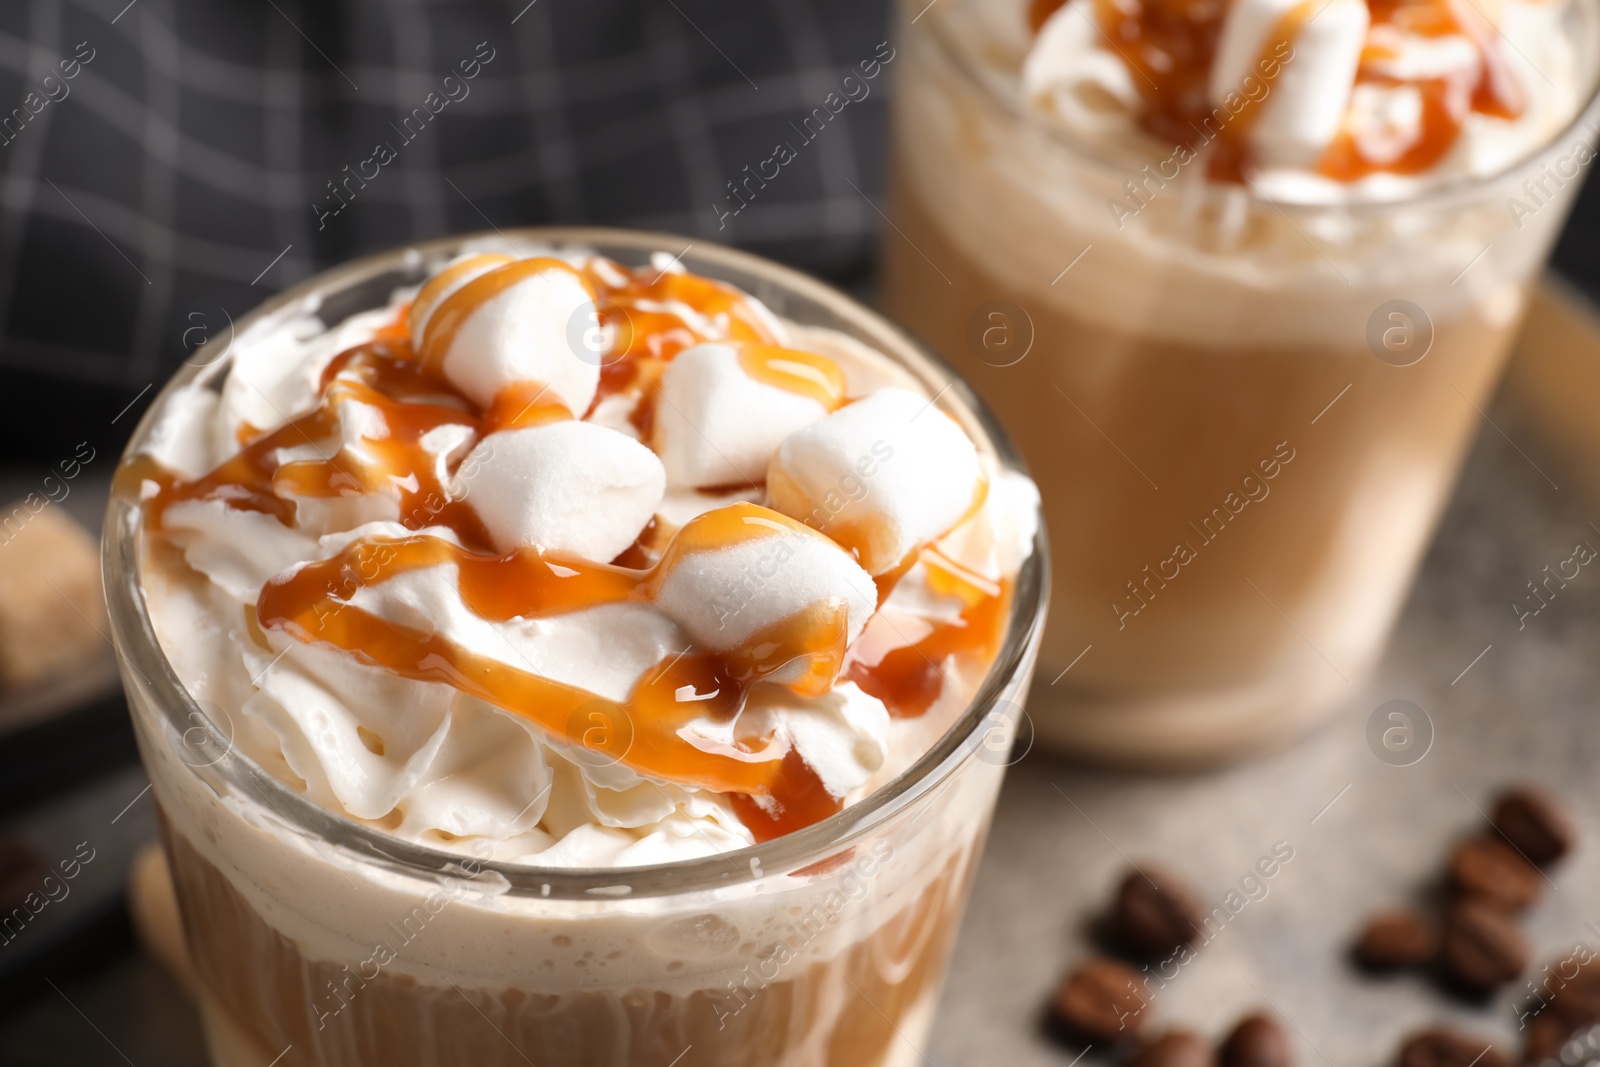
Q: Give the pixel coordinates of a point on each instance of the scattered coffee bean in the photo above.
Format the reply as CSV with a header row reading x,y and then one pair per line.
x,y
1545,1036
1102,1000
1176,1048
1395,939
1447,1048
1490,870
1535,823
1258,1041
1155,913
1565,1001
1481,948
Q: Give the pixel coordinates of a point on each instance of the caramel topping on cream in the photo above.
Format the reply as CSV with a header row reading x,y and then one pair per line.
x,y
1170,46
1489,88
674,724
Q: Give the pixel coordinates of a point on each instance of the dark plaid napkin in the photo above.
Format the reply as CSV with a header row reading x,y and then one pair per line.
x,y
171,162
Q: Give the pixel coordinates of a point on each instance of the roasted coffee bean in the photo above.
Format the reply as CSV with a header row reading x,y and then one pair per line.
x,y
1447,1048
1395,939
1257,1041
1102,1000
1155,913
1535,823
1545,1035
1176,1048
1481,948
1488,869
1565,1003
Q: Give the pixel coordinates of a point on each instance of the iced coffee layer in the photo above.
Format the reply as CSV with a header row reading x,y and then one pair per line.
x,y
558,560
1170,254
781,1007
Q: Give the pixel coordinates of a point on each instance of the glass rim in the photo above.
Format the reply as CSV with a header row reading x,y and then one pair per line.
x,y
1446,190
137,645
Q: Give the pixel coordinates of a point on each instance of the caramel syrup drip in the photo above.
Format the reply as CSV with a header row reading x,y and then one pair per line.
x,y
652,315
774,791
1489,89
1230,159
906,670
660,313
381,374
442,284
648,731
444,324
804,373
1170,45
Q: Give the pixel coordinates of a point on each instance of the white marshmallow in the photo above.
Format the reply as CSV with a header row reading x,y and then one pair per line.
x,y
716,425
1070,72
725,594
456,273
1306,102
522,335
565,487
883,476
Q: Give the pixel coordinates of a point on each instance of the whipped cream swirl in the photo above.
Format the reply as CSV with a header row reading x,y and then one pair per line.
x,y
312,456
1311,100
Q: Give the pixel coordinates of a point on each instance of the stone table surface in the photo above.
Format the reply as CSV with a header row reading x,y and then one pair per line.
x,y
1364,834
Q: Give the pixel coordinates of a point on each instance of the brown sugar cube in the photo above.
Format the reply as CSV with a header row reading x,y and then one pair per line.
x,y
51,602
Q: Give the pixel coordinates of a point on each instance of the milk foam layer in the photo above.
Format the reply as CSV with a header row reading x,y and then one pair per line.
x,y
436,765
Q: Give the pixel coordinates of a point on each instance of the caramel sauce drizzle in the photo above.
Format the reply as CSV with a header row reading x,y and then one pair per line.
x,y
793,371
1489,89
442,326
1171,45
906,671
772,788
446,281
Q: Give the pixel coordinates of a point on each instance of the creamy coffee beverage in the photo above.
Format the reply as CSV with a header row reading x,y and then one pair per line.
x,y
536,623
1241,278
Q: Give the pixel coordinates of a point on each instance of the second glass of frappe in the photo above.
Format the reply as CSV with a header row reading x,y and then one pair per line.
x,y
1241,278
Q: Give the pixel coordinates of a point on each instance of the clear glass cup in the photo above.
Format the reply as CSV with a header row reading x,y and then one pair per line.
x,y
1245,417
321,941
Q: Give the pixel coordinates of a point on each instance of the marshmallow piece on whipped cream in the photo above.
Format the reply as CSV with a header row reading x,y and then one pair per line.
x,y
510,325
563,487
715,424
1306,99
456,273
883,476
734,574
1069,72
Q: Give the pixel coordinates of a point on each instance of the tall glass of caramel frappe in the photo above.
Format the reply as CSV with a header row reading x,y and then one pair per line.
x,y
548,649
1240,277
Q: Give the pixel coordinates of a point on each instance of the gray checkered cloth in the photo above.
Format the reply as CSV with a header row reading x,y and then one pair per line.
x,y
166,161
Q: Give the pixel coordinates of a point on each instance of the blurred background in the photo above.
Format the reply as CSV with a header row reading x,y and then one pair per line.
x,y
207,154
